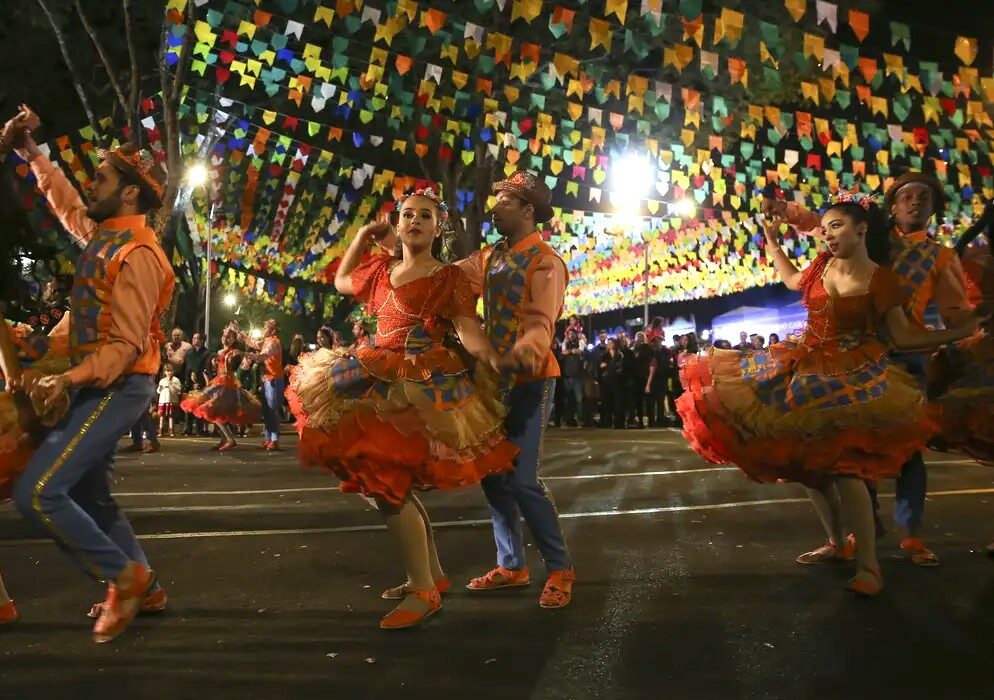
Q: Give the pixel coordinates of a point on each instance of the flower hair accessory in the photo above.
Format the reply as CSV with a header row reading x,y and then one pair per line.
x,y
857,198
427,193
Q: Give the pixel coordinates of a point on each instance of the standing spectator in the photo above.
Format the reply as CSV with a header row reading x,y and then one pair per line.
x,y
596,396
660,372
573,369
574,323
758,342
628,380
612,379
556,415
675,347
774,338
194,378
744,343
176,351
644,367
654,329
169,391
361,335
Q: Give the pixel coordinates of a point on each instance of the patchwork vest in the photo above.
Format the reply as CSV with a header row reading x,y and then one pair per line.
x,y
918,264
97,268
506,290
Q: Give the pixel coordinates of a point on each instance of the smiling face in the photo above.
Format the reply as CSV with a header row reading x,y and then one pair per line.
x,y
417,225
843,234
913,207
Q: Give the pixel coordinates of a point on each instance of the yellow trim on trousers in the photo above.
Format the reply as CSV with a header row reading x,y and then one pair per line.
x,y
53,470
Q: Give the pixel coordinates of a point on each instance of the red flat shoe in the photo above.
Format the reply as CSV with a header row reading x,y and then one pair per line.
x,y
217,447
226,445
8,613
558,591
500,578
869,585
920,555
829,552
402,619
273,447
123,602
154,603
265,445
398,592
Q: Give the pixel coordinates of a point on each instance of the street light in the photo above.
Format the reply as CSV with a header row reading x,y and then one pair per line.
x,y
256,333
197,175
230,300
684,208
631,177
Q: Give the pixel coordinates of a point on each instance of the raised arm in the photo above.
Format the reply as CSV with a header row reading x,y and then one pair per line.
x,y
63,199
905,337
788,272
353,256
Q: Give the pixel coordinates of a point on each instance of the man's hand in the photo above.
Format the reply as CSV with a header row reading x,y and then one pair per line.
x,y
528,359
26,382
49,390
16,134
505,363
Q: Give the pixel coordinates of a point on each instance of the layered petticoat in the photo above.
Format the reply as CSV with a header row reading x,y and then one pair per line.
x,y
798,413
386,422
224,401
961,377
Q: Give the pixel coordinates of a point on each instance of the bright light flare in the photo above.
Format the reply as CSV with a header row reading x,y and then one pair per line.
x,y
230,300
256,333
684,208
631,176
196,174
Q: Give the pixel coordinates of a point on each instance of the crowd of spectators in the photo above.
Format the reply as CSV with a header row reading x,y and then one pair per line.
x,y
627,380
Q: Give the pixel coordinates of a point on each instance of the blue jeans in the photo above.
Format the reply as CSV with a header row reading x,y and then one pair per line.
x,y
65,488
272,400
912,483
145,425
573,405
522,492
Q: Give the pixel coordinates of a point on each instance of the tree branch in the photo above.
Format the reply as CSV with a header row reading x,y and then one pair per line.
x,y
103,56
60,38
186,57
134,94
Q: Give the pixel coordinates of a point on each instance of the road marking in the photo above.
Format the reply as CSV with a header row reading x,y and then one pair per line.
x,y
464,523
635,474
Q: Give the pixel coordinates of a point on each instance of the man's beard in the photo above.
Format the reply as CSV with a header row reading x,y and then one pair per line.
x,y
106,208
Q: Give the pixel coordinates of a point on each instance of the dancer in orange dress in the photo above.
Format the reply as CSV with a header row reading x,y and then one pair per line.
x,y
21,422
832,409
224,402
404,415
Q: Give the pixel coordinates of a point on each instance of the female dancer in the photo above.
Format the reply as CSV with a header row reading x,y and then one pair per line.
x,y
404,415
224,402
831,409
21,424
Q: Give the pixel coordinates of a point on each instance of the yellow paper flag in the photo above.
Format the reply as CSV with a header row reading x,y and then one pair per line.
x,y
966,49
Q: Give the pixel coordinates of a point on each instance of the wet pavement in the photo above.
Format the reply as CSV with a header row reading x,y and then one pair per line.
x,y
686,589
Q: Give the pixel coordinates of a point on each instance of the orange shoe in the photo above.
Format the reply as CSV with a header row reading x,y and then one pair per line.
x,y
226,445
830,552
500,578
866,583
153,603
920,555
399,592
402,619
558,591
124,598
8,613
265,445
273,447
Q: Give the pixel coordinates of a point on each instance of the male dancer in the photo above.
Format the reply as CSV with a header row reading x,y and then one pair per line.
x,y
523,282
273,383
929,272
123,283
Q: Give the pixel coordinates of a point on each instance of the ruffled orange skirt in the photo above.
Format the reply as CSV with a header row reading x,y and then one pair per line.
x,y
386,426
224,401
770,415
961,388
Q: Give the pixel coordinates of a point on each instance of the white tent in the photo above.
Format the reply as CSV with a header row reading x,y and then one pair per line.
x,y
793,319
745,319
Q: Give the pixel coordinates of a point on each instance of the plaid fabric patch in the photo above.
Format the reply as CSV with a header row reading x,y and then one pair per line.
x,y
91,270
504,292
913,264
448,391
349,379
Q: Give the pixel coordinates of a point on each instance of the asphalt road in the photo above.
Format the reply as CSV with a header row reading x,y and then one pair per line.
x,y
686,589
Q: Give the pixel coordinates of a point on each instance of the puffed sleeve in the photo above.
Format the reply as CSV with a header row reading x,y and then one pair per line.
x,y
886,291
460,299
364,277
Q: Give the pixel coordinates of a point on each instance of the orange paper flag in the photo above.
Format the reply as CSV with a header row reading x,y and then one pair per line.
x,y
966,49
796,8
860,23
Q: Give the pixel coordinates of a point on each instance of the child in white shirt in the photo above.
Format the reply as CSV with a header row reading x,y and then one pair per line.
x,y
169,391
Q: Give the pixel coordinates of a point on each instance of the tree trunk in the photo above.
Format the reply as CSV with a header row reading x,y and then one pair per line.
x,y
115,85
77,83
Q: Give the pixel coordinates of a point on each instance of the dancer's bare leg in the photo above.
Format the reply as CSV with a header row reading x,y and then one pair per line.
x,y
858,509
226,431
4,597
437,573
406,525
